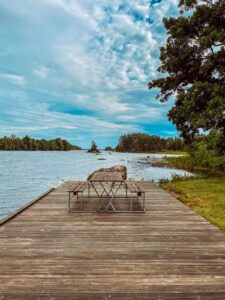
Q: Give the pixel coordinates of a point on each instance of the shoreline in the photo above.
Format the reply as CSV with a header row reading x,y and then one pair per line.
x,y
102,150
154,162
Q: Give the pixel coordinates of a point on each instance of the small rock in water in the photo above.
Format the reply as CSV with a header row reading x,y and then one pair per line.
x,y
136,179
154,162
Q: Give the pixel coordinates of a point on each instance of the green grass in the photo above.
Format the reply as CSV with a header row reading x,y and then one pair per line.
x,y
175,152
178,152
206,196
209,164
181,162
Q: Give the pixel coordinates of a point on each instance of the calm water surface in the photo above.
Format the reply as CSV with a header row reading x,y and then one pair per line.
x,y
25,175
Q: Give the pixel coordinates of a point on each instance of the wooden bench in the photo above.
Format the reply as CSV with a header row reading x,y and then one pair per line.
x,y
79,188
135,188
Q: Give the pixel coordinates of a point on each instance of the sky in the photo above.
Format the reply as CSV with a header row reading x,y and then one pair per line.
x,y
79,69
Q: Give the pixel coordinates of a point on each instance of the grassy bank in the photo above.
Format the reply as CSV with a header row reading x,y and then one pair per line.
x,y
181,162
206,196
175,152
199,163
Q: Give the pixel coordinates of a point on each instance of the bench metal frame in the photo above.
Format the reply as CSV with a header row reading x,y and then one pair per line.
x,y
110,193
136,192
79,189
132,189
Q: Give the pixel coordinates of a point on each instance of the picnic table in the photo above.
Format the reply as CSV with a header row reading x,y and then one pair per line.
x,y
106,185
109,183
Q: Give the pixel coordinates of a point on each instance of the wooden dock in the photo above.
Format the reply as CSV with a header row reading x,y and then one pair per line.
x,y
169,252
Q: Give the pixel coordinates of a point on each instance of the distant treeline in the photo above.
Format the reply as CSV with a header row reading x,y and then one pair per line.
x,y
27,143
138,142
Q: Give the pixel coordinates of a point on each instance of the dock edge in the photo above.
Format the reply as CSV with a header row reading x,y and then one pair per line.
x,y
18,211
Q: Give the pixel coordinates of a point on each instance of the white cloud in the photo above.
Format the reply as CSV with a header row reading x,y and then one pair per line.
x,y
120,54
24,119
140,114
41,72
115,61
101,103
13,78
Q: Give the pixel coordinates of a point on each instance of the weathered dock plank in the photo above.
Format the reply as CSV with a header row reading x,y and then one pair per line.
x,y
167,253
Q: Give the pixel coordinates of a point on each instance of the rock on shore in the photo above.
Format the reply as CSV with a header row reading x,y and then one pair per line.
x,y
154,161
121,169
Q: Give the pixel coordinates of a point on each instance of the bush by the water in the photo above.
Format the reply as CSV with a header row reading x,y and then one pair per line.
x,y
200,157
109,148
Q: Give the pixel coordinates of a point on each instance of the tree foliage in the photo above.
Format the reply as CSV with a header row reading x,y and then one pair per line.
x,y
108,148
138,142
30,144
193,63
94,148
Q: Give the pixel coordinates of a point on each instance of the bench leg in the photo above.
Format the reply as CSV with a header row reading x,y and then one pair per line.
x,y
81,200
69,198
143,198
131,202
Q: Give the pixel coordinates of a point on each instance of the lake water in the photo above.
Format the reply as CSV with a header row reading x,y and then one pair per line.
x,y
25,175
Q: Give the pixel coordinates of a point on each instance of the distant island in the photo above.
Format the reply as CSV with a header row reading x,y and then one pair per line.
x,y
135,142
94,148
27,143
139,142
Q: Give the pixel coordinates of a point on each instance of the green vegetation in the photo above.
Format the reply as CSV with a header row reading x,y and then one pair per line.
x,y
138,142
109,148
175,152
94,148
193,65
204,154
206,196
193,68
207,163
27,143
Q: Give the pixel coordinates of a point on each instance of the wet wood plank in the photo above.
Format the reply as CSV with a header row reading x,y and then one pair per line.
x,y
169,252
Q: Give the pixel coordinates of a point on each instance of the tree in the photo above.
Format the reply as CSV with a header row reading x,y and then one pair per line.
x,y
108,148
139,142
94,148
193,63
28,143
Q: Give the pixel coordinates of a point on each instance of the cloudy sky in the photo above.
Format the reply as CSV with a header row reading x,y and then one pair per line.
x,y
79,69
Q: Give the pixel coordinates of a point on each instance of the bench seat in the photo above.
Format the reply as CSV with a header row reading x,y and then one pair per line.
x,y
135,189
80,187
